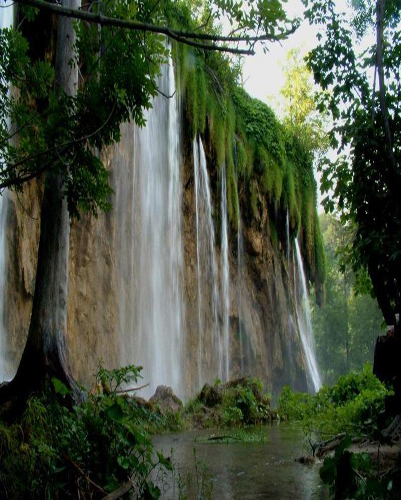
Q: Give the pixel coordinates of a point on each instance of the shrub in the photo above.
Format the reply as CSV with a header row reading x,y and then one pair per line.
x,y
57,452
354,404
235,403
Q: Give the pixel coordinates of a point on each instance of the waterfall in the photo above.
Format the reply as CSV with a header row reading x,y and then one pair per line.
x,y
207,272
6,21
155,323
304,319
240,275
225,285
198,266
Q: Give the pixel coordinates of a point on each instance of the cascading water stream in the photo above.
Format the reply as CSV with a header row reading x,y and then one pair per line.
x,y
198,265
225,285
6,20
155,270
304,319
206,265
240,275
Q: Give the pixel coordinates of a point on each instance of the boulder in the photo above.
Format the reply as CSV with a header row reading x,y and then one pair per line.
x,y
210,396
166,400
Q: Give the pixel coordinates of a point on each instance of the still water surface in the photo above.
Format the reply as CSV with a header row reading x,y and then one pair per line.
x,y
241,471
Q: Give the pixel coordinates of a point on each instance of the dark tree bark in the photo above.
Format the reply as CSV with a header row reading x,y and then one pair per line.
x,y
46,353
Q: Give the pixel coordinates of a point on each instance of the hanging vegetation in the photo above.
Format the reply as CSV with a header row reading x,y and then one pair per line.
x,y
261,154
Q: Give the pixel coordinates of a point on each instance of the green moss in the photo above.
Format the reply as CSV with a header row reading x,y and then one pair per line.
x,y
253,198
217,132
261,155
201,93
242,158
236,403
273,232
320,257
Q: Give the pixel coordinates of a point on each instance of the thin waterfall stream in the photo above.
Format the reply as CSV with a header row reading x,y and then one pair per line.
x,y
240,276
207,270
225,282
304,319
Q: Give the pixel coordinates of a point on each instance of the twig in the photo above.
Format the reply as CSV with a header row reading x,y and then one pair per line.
x,y
89,480
122,391
165,95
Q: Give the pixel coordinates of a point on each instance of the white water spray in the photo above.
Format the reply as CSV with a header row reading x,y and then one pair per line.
x,y
206,267
155,270
304,319
225,285
240,276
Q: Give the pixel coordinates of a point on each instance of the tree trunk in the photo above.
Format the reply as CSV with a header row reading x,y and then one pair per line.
x,y
46,353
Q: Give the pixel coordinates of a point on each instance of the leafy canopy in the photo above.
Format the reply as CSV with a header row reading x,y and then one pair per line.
x,y
118,78
365,177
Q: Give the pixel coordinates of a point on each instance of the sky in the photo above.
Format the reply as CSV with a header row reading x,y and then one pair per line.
x,y
263,73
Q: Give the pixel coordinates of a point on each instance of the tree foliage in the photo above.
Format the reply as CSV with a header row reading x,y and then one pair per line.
x,y
62,133
346,325
300,102
363,100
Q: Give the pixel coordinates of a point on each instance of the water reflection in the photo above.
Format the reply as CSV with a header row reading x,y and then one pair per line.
x,y
243,471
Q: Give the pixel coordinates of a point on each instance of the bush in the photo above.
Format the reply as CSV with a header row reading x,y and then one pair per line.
x,y
236,403
55,452
354,404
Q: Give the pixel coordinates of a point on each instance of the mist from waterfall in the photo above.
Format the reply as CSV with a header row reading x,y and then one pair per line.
x,y
225,281
207,271
6,371
154,317
304,319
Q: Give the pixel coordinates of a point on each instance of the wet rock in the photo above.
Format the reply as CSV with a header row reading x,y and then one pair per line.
x,y
210,396
248,383
166,400
306,460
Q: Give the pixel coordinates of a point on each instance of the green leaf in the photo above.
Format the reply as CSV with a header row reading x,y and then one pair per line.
x,y
115,413
59,387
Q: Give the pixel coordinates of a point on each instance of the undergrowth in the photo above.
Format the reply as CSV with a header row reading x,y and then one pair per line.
x,y
354,405
234,404
57,452
353,410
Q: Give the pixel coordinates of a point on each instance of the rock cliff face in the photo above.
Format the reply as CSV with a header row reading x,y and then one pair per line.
x,y
264,338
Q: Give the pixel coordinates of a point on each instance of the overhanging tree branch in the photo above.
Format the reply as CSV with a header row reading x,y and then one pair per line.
x,y
185,37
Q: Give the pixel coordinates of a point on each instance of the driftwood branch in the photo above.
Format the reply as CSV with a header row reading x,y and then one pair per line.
x,y
331,444
120,491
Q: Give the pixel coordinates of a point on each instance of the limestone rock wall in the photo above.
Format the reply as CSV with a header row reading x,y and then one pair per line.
x,y
271,346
